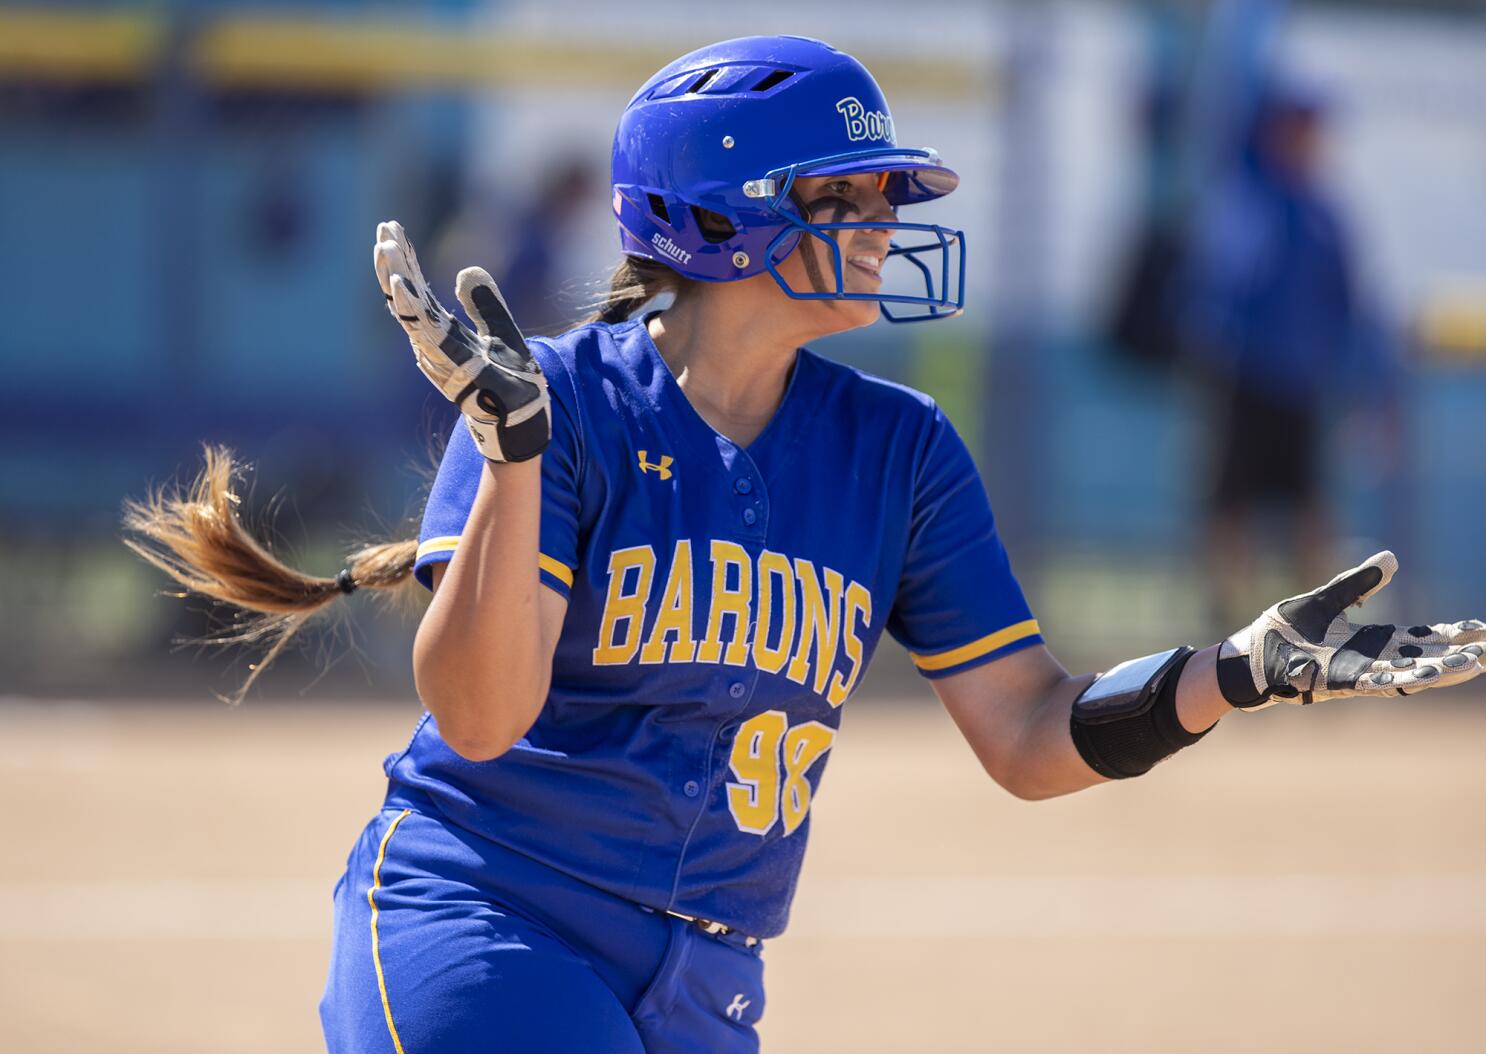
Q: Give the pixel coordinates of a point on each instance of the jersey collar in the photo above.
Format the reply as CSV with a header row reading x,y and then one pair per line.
x,y
777,437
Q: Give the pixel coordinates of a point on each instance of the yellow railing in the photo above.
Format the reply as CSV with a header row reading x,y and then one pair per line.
x,y
1452,323
78,47
361,54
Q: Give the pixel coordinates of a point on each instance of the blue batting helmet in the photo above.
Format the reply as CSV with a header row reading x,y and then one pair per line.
x,y
707,151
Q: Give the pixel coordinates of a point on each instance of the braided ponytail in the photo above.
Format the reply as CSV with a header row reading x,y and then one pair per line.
x,y
195,535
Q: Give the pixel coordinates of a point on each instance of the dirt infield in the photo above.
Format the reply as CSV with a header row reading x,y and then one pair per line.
x,y
1302,881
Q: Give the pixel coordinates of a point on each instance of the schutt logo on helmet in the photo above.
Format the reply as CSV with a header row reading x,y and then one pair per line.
x,y
670,248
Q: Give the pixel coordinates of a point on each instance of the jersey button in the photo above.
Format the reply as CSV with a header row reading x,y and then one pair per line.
x,y
743,486
737,689
692,788
750,517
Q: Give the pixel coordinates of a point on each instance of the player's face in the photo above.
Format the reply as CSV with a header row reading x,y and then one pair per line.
x,y
842,199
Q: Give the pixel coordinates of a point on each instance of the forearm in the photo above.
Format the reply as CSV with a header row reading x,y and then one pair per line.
x,y
1052,764
478,659
1199,704
1018,713
1046,763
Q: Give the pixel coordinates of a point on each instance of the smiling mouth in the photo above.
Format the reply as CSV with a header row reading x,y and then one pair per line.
x,y
867,264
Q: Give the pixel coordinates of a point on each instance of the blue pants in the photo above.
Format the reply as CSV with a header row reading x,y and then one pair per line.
x,y
446,943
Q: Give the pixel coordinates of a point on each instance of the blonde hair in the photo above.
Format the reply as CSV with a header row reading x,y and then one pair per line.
x,y
195,533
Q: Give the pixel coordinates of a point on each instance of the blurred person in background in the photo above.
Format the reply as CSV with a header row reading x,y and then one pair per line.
x,y
1267,306
529,244
1140,329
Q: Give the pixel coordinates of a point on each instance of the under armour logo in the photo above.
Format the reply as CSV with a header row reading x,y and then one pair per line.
x,y
738,1005
664,468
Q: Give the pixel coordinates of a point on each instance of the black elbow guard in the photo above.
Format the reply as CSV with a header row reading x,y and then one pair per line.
x,y
1126,720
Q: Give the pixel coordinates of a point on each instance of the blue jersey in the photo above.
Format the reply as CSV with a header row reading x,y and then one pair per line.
x,y
723,602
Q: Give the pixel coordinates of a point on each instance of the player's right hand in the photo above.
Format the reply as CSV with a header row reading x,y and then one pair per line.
x,y
490,374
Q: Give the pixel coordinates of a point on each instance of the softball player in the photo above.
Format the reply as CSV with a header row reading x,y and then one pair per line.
x,y
664,550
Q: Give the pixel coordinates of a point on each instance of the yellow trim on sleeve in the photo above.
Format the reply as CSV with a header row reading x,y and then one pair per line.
x,y
446,544
376,947
976,648
562,572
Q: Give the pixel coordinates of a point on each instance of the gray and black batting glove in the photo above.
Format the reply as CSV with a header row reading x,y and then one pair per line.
x,y
490,374
1303,650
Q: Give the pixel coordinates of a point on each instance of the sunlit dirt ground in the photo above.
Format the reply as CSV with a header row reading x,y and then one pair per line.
x,y
1301,881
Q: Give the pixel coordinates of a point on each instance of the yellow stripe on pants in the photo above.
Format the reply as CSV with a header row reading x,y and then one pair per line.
x,y
376,949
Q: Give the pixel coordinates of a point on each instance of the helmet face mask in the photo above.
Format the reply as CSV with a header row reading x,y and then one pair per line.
x,y
707,152
944,285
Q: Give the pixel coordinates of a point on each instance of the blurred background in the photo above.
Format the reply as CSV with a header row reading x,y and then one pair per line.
x,y
1202,237
188,192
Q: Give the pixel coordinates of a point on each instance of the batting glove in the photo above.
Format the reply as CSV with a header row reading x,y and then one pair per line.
x,y
490,374
1303,650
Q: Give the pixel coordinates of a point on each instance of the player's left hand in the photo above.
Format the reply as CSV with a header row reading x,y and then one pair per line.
x,y
1304,650
491,374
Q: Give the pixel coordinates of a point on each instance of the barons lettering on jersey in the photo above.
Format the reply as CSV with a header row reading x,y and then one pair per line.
x,y
800,619
690,712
